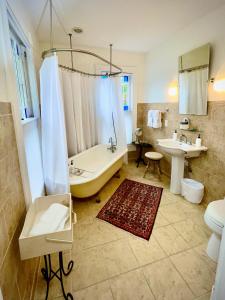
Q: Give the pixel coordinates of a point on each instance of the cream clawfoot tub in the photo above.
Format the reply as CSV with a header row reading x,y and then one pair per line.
x,y
92,168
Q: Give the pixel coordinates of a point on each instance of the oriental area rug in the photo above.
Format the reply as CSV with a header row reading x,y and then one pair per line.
x,y
133,207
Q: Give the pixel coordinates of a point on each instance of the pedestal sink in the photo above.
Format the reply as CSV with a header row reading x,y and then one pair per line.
x,y
179,151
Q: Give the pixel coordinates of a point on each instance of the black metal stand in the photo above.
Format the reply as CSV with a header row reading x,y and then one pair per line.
x,y
49,274
140,158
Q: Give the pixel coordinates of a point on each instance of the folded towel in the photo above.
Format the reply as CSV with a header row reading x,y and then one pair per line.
x,y
53,219
154,119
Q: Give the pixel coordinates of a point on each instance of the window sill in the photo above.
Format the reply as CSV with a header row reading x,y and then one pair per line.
x,y
28,120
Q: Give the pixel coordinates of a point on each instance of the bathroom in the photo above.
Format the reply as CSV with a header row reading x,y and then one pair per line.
x,y
177,250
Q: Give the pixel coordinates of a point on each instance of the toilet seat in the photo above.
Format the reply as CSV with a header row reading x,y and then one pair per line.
x,y
215,215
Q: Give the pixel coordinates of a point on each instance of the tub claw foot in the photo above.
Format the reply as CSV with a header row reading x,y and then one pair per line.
x,y
117,175
98,200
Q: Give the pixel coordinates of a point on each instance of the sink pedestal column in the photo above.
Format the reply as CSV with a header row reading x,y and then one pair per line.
x,y
177,173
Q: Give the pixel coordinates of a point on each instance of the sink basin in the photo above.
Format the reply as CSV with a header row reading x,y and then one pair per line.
x,y
179,151
180,148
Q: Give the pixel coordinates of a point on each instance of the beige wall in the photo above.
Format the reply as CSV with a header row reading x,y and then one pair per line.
x,y
162,63
16,276
209,168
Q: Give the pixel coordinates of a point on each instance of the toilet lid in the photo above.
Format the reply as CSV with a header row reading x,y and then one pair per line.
x,y
216,211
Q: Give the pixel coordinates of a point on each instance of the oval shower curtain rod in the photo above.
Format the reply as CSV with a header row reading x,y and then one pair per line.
x,y
110,73
71,50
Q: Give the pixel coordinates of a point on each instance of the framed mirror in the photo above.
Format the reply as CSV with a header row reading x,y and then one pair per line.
x,y
193,81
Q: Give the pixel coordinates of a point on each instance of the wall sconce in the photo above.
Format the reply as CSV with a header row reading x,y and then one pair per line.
x,y
219,85
172,91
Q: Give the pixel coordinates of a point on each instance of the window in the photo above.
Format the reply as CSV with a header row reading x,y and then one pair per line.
x,y
22,76
125,84
126,91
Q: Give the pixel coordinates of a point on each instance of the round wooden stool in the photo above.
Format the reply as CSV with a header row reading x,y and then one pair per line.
x,y
153,159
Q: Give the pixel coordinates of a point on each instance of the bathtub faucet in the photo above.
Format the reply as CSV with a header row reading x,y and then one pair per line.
x,y
112,146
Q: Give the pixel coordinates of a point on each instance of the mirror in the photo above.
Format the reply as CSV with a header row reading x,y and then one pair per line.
x,y
193,81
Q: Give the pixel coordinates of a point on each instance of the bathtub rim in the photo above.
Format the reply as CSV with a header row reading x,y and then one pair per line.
x,y
121,153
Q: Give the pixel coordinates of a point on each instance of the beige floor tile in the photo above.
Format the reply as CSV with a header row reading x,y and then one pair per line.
x,y
181,210
193,232
204,297
173,213
131,285
100,291
160,220
192,210
118,257
100,263
201,250
195,271
89,268
169,198
165,282
146,251
97,233
86,210
170,240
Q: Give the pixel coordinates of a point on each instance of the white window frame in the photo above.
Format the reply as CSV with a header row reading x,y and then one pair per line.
x,y
16,30
9,19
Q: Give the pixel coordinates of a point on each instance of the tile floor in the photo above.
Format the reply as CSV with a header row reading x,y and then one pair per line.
x,y
111,264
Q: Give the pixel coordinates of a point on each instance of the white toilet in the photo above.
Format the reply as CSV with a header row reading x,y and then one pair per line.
x,y
215,219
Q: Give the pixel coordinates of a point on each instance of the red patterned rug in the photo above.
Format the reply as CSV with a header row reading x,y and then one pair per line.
x,y
133,207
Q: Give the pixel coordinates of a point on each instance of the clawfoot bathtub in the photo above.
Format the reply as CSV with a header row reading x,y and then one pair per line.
x,y
91,169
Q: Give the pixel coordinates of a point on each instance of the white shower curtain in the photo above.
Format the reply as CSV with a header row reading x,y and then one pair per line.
x,y
108,103
79,106
89,103
193,92
54,145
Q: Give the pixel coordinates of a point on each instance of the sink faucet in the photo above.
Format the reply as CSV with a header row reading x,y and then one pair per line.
x,y
183,137
112,146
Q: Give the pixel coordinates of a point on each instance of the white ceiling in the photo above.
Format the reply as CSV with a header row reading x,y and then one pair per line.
x,y
135,25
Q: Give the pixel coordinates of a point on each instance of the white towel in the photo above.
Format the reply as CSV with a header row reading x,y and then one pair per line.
x,y
53,219
154,119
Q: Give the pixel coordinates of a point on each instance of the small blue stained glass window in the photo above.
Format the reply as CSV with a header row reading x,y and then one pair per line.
x,y
125,92
125,78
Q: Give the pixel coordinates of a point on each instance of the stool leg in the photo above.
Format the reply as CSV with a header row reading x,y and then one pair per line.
x,y
160,171
147,167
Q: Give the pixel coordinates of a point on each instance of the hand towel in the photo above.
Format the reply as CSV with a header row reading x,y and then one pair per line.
x,y
53,219
154,119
